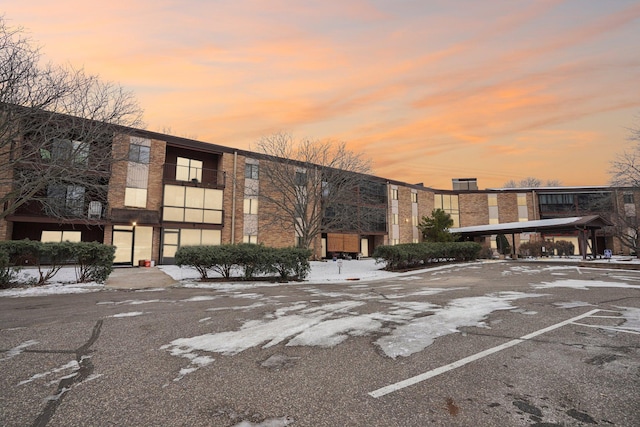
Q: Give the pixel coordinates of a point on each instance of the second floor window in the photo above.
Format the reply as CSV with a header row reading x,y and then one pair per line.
x,y
188,169
301,179
65,200
251,171
63,150
139,153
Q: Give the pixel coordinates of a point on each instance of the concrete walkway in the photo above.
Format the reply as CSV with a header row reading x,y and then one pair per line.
x,y
139,278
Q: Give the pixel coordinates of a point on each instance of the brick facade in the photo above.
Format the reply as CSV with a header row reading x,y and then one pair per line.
x,y
473,206
474,209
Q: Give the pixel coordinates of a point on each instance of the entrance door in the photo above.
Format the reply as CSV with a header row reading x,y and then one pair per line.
x,y
123,241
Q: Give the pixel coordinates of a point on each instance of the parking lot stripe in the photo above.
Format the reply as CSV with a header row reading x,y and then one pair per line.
x,y
451,366
609,328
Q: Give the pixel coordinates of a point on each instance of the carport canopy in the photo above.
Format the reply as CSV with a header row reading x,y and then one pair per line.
x,y
589,223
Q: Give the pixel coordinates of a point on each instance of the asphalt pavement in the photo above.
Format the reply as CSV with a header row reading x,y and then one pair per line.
x,y
557,346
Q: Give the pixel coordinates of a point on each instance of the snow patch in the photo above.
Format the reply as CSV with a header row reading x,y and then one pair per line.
x,y
583,284
73,364
13,352
420,333
572,304
128,314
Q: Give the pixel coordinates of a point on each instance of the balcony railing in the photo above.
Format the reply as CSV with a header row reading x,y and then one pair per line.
x,y
64,208
201,176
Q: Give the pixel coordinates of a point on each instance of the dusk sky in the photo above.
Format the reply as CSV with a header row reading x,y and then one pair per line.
x,y
429,90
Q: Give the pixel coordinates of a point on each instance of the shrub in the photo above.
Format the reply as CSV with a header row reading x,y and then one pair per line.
x,y
485,253
504,248
408,255
252,259
198,257
289,263
533,248
94,261
7,272
564,248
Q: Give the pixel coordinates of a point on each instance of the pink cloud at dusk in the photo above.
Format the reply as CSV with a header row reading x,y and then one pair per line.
x,y
429,90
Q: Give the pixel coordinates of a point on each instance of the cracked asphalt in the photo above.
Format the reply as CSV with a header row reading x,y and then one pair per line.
x,y
100,359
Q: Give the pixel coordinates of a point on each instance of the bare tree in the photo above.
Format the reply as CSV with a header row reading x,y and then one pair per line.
x,y
532,182
625,173
311,186
57,126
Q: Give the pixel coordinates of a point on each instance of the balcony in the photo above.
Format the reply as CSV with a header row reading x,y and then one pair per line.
x,y
184,175
63,209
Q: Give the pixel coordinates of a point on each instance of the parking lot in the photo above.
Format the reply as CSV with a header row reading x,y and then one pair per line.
x,y
505,343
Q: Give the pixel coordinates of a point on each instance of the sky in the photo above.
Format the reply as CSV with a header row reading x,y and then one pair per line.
x,y
429,90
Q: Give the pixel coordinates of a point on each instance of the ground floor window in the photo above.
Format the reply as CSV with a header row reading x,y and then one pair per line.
x,y
173,238
61,236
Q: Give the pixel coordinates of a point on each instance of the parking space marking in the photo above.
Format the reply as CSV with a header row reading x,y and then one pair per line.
x,y
451,366
608,328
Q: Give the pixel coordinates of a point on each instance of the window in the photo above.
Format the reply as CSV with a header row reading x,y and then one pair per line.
x,y
414,197
414,220
249,238
66,149
301,179
188,169
394,219
394,194
172,239
251,206
628,198
139,153
449,204
192,204
65,200
251,171
61,236
135,197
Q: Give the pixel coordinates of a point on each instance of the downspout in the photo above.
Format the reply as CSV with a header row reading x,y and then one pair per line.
x,y
233,198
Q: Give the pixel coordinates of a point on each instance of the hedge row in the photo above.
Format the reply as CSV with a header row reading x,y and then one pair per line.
x,y
408,255
534,248
93,261
251,260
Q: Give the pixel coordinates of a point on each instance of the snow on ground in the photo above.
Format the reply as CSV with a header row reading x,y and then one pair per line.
x,y
348,271
404,321
583,284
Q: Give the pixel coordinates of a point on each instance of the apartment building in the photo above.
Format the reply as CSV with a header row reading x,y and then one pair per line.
x,y
161,192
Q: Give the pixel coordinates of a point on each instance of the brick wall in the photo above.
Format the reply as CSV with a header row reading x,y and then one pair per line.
x,y
405,214
118,180
238,182
156,171
474,209
507,207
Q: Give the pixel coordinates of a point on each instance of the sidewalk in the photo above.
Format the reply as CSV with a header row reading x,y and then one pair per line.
x,y
139,278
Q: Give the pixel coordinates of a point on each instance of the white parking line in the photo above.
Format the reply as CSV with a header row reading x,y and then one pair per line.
x,y
446,368
608,328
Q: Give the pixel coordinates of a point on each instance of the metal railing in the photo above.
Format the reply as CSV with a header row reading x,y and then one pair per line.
x,y
201,176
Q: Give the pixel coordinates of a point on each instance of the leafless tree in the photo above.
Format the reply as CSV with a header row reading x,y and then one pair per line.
x,y
625,173
57,126
310,186
532,182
